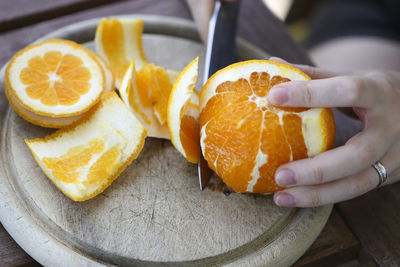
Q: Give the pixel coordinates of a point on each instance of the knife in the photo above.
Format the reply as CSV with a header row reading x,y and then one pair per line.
x,y
220,52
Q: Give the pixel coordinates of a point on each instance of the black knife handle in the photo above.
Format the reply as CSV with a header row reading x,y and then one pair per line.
x,y
224,50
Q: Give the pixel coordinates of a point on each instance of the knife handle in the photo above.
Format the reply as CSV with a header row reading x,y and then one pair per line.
x,y
224,41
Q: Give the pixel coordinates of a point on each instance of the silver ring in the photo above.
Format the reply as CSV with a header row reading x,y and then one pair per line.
x,y
381,170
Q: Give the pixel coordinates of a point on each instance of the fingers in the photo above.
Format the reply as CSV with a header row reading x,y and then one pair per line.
x,y
357,155
341,91
313,72
201,11
342,189
391,162
318,195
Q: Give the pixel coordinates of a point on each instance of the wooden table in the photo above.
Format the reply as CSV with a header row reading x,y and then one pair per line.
x,y
361,232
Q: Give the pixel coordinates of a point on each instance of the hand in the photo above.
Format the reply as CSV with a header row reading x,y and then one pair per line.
x,y
201,11
344,172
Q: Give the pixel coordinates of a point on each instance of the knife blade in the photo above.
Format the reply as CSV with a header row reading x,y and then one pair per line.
x,y
220,52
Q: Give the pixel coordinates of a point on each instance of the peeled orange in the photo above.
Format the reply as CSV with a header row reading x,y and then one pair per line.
x,y
183,113
55,78
244,138
85,158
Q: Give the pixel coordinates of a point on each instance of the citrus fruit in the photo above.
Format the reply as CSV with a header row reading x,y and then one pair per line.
x,y
85,158
118,41
153,87
244,138
55,78
183,113
58,122
130,94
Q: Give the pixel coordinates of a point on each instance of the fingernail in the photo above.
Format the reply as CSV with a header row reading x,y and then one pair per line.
x,y
278,95
284,199
285,177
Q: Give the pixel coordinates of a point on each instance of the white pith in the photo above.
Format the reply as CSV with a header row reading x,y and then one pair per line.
x,y
182,91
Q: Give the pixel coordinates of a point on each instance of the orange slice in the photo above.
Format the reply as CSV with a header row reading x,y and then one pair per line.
x,y
183,113
85,158
51,122
131,95
55,78
244,138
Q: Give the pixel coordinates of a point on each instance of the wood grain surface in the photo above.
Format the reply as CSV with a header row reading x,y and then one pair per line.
x,y
335,245
375,220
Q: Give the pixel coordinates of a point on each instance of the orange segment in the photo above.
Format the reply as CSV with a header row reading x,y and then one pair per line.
x,y
273,144
38,64
233,154
75,157
50,97
292,126
65,95
31,76
37,90
154,87
260,83
104,166
189,132
52,59
68,63
244,138
55,78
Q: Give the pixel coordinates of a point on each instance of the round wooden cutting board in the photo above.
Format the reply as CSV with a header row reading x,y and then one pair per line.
x,y
154,213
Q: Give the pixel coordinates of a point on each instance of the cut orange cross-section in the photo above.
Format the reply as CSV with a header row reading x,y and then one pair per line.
x,y
244,138
183,113
85,158
55,78
58,122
